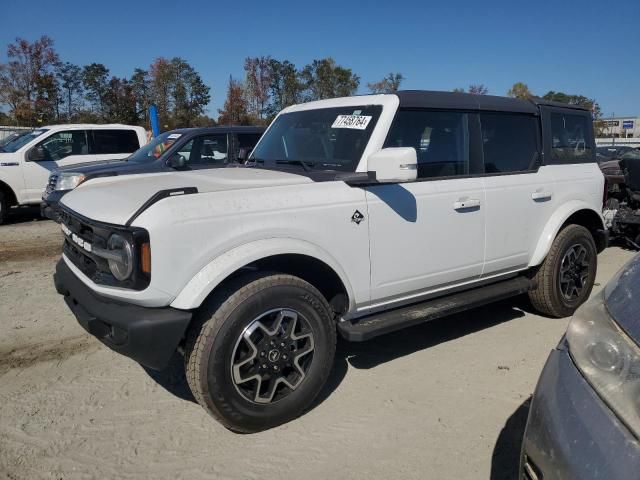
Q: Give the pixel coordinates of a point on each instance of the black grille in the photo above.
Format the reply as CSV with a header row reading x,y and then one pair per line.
x,y
97,234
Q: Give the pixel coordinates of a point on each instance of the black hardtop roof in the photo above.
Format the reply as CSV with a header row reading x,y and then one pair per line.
x,y
220,129
470,101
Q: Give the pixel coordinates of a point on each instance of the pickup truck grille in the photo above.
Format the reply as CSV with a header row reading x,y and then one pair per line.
x,y
51,185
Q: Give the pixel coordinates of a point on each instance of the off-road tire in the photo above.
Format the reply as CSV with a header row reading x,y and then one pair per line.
x,y
547,298
221,321
4,207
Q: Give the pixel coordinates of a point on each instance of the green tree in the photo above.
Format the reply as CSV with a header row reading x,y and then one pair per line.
x,y
326,79
70,79
141,88
235,110
285,88
120,102
520,90
389,84
190,94
95,80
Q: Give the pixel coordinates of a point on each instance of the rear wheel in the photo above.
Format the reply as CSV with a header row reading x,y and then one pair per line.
x,y
4,207
260,351
566,277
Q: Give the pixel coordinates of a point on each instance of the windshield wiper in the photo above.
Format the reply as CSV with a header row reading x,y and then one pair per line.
x,y
297,162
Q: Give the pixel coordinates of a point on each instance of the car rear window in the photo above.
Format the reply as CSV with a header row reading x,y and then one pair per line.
x,y
571,136
115,141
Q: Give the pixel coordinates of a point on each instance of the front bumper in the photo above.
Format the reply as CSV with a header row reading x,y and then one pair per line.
x,y
571,433
149,336
50,206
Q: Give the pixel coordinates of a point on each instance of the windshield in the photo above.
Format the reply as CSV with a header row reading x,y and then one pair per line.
x,y
155,148
321,139
17,143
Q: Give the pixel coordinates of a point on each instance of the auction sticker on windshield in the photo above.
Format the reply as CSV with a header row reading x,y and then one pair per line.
x,y
357,122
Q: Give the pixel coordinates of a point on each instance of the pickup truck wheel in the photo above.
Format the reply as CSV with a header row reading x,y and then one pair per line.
x,y
4,207
260,351
566,277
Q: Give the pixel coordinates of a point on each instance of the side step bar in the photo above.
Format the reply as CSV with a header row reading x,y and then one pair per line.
x,y
377,324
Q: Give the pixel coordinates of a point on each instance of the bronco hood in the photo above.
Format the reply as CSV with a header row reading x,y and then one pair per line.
x,y
115,199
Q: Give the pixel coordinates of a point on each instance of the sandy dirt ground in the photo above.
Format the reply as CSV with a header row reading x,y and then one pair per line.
x,y
447,399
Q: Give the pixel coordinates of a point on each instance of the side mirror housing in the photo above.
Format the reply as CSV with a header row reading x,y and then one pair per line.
x,y
176,161
243,154
36,154
395,164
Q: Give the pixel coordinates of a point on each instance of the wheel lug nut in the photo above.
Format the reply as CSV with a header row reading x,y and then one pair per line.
x,y
262,354
264,365
275,368
282,344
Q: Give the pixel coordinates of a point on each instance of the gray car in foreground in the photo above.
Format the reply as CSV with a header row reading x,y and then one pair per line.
x,y
584,421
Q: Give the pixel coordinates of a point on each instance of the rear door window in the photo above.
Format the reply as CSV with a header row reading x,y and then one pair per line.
x,y
509,142
114,141
571,137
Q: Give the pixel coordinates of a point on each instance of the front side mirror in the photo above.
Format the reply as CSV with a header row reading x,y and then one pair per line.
x,y
394,164
177,161
243,154
37,154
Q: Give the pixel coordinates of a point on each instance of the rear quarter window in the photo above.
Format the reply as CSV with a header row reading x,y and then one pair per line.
x,y
571,138
115,141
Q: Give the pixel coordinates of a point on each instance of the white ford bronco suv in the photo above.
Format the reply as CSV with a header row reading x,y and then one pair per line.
x,y
27,161
359,216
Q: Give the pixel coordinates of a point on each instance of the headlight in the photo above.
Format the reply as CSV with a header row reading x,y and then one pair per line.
x,y
69,180
120,265
608,359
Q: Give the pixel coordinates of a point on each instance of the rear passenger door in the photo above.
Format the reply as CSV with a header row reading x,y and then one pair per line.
x,y
428,234
113,144
520,193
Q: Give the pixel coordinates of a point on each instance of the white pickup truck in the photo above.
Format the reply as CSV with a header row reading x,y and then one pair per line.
x,y
360,216
27,161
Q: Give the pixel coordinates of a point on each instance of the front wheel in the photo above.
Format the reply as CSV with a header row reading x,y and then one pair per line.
x,y
260,351
566,277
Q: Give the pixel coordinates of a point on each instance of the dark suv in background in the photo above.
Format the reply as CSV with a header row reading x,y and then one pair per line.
x,y
181,149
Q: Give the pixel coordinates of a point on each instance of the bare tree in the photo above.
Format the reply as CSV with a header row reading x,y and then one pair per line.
x,y
389,84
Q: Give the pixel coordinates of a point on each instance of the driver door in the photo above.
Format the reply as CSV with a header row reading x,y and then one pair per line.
x,y
63,148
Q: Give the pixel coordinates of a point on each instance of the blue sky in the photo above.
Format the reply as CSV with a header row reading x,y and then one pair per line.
x,y
583,47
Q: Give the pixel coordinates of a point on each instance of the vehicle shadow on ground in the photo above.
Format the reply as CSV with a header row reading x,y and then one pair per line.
x,y
395,345
19,215
173,378
378,350
505,460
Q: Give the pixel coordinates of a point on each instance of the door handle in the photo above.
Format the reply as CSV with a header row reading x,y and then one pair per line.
x,y
542,195
466,204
